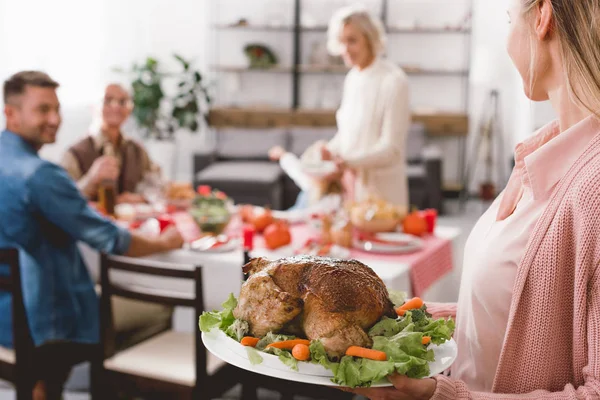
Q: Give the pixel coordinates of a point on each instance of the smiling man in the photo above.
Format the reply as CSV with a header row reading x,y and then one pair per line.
x,y
43,214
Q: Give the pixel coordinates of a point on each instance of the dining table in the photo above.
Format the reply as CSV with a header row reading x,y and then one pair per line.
x,y
431,272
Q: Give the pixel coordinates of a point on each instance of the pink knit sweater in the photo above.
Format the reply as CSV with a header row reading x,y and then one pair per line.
x,y
552,345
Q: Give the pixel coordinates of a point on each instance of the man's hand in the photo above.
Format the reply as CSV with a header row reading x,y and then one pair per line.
x,y
144,245
276,152
171,238
104,168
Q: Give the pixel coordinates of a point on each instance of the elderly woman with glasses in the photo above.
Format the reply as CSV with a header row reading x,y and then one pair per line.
x,y
374,116
108,154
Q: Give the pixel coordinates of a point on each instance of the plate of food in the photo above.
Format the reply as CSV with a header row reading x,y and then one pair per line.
x,y
214,244
180,194
315,248
389,242
318,168
375,215
331,322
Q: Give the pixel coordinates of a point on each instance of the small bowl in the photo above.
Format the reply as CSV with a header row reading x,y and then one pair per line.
x,y
372,225
210,223
375,225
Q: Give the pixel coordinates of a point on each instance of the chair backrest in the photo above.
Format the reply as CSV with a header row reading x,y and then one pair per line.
x,y
149,268
22,341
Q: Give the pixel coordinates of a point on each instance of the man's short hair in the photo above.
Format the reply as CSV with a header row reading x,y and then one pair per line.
x,y
16,84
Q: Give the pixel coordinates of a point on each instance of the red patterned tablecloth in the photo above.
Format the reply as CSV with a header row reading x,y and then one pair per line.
x,y
427,265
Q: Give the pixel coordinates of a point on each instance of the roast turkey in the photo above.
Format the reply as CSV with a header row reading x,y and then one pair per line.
x,y
334,301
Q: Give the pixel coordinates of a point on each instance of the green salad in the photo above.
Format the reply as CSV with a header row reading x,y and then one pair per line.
x,y
401,339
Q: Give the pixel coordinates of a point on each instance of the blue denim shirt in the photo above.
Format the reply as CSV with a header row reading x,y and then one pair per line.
x,y
43,215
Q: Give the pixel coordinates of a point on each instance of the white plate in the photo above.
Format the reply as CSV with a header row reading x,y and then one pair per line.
x,y
406,243
282,252
235,354
231,245
290,250
292,216
320,169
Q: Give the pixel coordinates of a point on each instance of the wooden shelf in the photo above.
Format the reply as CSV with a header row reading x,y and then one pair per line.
x,y
278,69
335,69
437,124
419,30
432,30
262,28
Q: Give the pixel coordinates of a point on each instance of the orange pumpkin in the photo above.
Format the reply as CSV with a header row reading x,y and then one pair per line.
x,y
277,235
262,220
415,224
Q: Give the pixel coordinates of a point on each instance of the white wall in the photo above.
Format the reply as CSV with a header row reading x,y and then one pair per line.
x,y
79,45
490,66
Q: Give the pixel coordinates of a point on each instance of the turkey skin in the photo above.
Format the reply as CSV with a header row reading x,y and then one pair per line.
x,y
334,301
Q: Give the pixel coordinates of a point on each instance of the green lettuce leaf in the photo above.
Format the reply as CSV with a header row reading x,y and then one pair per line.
x,y
219,319
413,367
439,330
406,342
348,373
209,320
374,371
238,329
398,298
272,338
319,356
285,356
390,327
253,355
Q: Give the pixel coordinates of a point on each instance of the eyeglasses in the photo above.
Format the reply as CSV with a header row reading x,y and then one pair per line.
x,y
122,102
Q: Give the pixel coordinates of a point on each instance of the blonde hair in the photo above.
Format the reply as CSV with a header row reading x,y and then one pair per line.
x,y
362,19
577,26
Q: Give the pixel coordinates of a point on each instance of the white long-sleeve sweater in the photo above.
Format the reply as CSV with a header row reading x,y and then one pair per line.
x,y
373,123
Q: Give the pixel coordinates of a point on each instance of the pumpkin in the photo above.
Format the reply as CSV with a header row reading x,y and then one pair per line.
x,y
415,224
262,220
277,235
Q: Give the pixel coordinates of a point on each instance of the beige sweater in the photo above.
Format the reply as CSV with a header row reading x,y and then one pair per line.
x,y
373,123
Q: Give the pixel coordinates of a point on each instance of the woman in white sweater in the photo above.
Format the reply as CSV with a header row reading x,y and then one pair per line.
x,y
374,116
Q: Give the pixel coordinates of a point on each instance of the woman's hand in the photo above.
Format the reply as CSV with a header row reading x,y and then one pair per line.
x,y
404,388
326,155
276,152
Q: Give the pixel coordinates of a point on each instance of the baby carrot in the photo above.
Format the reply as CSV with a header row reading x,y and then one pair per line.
x,y
426,340
301,352
411,304
249,341
362,352
288,344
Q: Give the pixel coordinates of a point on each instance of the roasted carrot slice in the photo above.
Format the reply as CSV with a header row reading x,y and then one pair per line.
x,y
288,344
362,352
301,352
249,341
411,304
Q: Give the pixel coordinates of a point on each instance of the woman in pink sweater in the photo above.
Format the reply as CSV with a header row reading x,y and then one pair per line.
x,y
528,320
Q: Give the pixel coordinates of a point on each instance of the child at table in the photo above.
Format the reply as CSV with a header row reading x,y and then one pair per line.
x,y
312,190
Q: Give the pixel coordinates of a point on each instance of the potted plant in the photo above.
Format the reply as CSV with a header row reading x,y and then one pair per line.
x,y
160,115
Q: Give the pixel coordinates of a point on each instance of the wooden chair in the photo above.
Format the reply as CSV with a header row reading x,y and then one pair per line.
x,y
173,365
16,363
